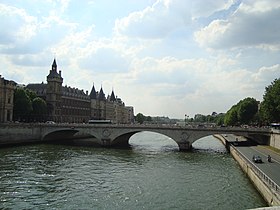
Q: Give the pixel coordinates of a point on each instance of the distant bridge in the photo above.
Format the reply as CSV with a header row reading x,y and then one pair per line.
x,y
118,135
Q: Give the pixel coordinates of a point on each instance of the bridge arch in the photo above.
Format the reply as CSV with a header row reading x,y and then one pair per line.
x,y
122,140
59,135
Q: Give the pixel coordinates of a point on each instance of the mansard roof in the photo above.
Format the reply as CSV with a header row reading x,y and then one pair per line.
x,y
39,88
74,92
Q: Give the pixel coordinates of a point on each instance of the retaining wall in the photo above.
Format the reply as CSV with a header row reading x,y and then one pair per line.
x,y
275,138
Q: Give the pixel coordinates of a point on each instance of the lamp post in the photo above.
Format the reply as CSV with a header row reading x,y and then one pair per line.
x,y
186,117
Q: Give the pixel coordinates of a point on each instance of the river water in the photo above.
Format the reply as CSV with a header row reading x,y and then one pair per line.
x,y
150,175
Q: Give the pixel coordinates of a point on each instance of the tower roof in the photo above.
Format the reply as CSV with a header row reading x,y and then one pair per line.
x,y
53,72
112,97
93,93
54,63
54,66
101,95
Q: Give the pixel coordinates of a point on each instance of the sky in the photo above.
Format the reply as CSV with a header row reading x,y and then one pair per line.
x,y
163,57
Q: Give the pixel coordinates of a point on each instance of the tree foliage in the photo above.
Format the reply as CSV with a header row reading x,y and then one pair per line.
x,y
22,105
28,107
243,112
39,109
248,108
140,118
270,107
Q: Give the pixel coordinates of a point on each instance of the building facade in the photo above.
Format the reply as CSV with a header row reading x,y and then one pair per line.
x,y
66,104
7,88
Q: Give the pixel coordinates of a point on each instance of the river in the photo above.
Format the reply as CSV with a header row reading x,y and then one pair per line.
x,y
152,174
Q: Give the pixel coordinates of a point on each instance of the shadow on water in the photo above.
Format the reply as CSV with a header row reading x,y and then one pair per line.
x,y
209,144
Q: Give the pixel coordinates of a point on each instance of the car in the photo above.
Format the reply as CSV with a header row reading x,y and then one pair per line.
x,y
257,159
50,122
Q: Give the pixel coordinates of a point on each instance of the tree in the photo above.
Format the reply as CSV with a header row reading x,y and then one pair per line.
x,y
270,107
247,109
231,116
39,109
22,105
140,118
243,112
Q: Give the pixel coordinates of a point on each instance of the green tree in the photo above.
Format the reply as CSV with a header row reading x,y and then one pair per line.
x,y
31,94
39,109
243,112
140,118
22,105
231,116
220,118
270,107
247,109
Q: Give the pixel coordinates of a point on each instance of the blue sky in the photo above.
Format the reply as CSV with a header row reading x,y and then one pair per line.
x,y
163,57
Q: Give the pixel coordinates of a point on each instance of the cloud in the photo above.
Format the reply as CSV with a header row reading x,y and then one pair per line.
x,y
166,16
27,34
253,24
16,26
205,8
105,60
154,22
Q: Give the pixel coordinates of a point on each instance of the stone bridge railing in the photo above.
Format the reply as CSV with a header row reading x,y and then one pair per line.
x,y
118,135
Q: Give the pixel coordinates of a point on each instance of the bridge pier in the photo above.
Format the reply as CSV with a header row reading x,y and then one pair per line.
x,y
106,142
184,146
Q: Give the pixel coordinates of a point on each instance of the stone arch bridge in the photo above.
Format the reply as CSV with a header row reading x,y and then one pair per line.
x,y
111,135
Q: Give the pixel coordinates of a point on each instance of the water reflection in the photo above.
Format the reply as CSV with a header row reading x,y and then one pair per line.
x,y
209,144
152,142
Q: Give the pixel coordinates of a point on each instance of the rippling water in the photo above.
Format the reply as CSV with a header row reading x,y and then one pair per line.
x,y
150,175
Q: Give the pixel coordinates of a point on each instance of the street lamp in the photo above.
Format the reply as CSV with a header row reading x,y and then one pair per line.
x,y
186,116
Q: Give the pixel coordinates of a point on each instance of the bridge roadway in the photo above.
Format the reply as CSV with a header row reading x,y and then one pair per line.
x,y
111,135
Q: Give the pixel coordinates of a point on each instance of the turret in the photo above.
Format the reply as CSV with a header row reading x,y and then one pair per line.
x,y
93,93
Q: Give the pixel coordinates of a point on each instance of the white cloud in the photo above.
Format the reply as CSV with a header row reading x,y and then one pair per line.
x,y
250,25
154,22
16,26
205,8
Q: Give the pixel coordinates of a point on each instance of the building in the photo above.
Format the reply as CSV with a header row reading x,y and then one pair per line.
x,y
7,88
66,104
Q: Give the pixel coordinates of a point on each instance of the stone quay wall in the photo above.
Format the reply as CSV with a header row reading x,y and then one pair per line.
x,y
275,138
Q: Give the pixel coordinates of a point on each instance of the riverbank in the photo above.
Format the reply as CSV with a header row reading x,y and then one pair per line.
x,y
266,187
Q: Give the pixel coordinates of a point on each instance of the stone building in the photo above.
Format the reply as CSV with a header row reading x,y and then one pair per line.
x,y
66,104
7,88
